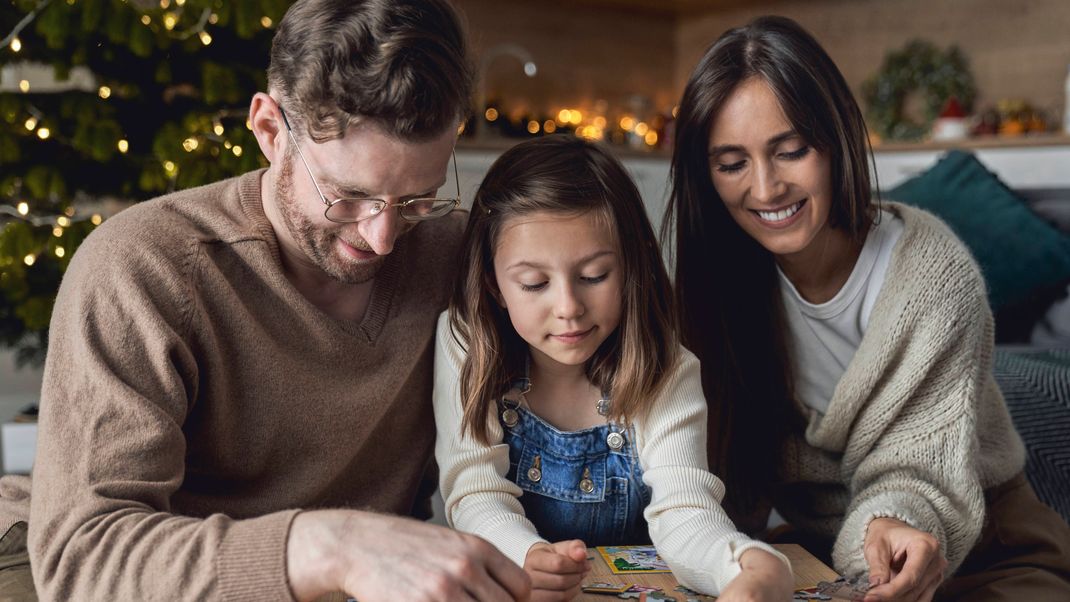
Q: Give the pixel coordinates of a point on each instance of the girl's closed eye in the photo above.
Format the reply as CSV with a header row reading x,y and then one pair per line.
x,y
531,288
595,279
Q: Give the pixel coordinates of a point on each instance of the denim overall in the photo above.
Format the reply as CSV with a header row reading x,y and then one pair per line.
x,y
584,484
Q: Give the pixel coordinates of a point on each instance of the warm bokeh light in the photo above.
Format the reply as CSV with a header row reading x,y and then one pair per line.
x,y
123,145
265,21
190,144
63,221
627,123
651,138
24,85
575,116
44,133
641,128
533,127
29,259
236,150
170,20
600,122
549,126
145,19
491,114
170,167
16,45
104,92
96,219
218,129
57,231
60,252
31,123
205,38
23,208
563,115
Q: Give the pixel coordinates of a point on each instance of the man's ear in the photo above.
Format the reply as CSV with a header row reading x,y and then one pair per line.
x,y
268,126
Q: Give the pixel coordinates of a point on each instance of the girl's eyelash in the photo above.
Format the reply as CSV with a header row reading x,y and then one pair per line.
x,y
595,279
531,288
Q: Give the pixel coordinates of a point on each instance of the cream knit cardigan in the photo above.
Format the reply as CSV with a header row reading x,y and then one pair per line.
x,y
917,428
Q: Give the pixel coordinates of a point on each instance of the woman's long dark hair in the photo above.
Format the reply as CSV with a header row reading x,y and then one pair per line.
x,y
727,289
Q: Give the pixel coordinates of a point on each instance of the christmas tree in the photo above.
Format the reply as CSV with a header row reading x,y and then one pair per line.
x,y
141,98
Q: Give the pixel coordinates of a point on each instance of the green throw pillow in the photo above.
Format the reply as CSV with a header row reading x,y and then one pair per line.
x,y
1019,253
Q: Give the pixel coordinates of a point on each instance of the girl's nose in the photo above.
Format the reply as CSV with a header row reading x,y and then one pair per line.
x,y
568,305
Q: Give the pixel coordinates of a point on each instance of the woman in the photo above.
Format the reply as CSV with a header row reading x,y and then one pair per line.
x,y
846,347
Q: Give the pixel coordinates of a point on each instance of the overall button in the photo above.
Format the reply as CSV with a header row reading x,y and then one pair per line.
x,y
586,484
615,440
535,472
510,417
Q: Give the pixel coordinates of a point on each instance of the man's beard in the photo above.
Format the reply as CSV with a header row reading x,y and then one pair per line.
x,y
317,243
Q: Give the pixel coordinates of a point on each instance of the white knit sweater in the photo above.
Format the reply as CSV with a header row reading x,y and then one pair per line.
x,y
917,428
687,524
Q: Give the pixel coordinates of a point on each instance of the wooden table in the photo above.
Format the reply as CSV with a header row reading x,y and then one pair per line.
x,y
808,572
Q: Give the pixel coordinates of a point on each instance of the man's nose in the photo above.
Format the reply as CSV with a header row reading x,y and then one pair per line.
x,y
381,230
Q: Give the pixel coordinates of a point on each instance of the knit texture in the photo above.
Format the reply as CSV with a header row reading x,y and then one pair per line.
x,y
917,428
193,399
687,524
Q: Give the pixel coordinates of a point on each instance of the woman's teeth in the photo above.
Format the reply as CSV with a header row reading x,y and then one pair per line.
x,y
779,216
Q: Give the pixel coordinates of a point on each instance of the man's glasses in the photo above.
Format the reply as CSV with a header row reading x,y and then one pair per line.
x,y
348,210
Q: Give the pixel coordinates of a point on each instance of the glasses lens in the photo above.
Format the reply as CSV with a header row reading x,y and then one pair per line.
x,y
354,210
418,209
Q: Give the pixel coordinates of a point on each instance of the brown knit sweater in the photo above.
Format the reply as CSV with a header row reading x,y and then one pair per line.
x,y
194,399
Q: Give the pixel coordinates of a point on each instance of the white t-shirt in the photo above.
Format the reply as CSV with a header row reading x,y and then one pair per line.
x,y
824,337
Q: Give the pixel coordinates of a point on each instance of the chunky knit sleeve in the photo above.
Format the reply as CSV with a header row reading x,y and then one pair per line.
x,y
914,448
479,498
687,524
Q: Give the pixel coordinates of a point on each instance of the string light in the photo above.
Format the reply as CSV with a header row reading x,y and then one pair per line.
x,y
57,231
180,2
145,19
31,123
265,21
169,20
63,221
236,150
104,92
205,38
549,126
491,114
627,123
16,45
218,129
213,18
190,144
29,259
24,85
564,115
651,138
165,3
533,127
44,133
60,252
23,208
96,219
641,128
123,146
170,167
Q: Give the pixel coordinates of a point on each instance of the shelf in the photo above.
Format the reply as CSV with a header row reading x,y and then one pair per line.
x,y
1024,141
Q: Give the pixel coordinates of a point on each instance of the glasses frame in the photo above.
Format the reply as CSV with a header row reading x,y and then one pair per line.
x,y
379,204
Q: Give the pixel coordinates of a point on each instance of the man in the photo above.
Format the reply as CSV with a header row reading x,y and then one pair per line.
x,y
224,356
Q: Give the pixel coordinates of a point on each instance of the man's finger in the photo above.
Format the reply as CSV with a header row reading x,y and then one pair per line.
x,y
878,558
912,578
508,575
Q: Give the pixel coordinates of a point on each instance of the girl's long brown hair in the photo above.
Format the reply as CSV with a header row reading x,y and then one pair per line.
x,y
727,288
566,175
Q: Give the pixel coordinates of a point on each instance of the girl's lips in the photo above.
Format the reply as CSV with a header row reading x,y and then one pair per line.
x,y
573,337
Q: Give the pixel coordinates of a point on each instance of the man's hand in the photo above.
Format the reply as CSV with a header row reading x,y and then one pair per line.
x,y
380,557
765,578
556,570
905,564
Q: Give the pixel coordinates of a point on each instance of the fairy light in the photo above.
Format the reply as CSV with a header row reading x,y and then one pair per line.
x,y
491,114
170,168
60,252
218,129
651,138
57,231
169,20
63,221
265,21
213,18
227,144
248,125
190,144
180,2
205,38
549,126
236,150
29,259
96,219
641,128
165,3
600,122
31,123
16,45
123,146
23,208
575,116
24,85
563,115
627,123
533,127
44,133
145,19
104,92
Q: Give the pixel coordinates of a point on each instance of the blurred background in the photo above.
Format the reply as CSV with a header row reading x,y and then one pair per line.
x,y
104,103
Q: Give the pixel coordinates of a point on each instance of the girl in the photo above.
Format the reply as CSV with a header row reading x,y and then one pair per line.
x,y
578,412
846,349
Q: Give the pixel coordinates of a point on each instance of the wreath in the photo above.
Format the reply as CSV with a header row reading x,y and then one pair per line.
x,y
922,68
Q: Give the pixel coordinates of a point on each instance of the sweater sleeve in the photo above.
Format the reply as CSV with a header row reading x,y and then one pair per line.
x,y
120,378
479,499
920,465
691,531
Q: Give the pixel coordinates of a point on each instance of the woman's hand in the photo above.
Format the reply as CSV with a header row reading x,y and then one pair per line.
x,y
905,564
556,569
765,578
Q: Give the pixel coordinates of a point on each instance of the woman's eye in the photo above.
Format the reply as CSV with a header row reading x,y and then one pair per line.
x,y
730,167
531,288
796,154
594,279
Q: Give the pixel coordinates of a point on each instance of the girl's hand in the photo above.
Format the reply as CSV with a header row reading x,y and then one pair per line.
x,y
765,578
556,569
904,563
